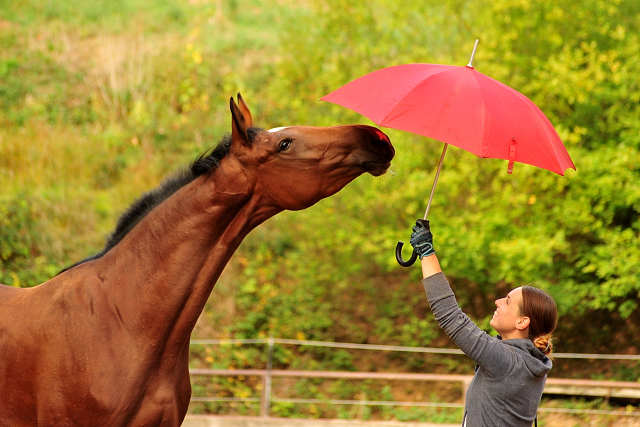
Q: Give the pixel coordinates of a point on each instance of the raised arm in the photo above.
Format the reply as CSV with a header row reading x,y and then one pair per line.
x,y
487,351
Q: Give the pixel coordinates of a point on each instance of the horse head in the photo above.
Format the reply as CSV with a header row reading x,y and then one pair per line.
x,y
296,166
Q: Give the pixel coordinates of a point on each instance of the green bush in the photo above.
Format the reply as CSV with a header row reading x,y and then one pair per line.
x,y
21,238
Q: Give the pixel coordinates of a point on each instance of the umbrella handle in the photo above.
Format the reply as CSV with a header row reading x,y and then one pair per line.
x,y
410,261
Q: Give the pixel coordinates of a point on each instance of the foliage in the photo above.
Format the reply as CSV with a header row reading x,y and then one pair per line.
x,y
22,260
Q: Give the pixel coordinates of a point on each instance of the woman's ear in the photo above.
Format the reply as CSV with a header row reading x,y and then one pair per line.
x,y
523,323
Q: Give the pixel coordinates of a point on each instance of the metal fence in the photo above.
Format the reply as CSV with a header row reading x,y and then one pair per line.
x,y
606,389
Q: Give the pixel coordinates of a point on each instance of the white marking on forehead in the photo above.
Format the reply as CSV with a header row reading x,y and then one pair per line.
x,y
278,129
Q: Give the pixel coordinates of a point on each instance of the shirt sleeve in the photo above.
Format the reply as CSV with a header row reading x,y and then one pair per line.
x,y
494,357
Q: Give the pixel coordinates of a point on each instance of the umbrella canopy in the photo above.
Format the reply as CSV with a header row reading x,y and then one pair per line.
x,y
459,106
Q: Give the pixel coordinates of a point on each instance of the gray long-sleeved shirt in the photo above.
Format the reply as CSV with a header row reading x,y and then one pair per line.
x,y
510,376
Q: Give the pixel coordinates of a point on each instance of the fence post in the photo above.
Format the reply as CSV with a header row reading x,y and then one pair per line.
x,y
265,406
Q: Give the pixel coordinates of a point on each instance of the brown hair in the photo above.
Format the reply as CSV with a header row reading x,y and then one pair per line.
x,y
542,312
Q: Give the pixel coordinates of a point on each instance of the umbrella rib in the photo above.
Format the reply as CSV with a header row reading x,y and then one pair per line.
x,y
542,123
485,145
393,113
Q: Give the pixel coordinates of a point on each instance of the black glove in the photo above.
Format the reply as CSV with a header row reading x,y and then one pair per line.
x,y
422,239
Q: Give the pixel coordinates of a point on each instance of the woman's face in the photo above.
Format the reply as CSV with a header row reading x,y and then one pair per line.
x,y
507,319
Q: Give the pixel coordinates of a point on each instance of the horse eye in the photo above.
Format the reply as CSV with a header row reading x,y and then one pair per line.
x,y
285,144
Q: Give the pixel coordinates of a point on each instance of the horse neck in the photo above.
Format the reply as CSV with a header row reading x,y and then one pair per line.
x,y
162,273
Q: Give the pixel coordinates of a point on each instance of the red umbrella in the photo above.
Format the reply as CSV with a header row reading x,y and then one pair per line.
x,y
459,106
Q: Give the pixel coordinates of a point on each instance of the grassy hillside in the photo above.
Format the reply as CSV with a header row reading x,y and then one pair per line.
x,y
98,104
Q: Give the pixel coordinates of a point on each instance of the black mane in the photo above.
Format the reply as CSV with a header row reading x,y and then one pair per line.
x,y
207,162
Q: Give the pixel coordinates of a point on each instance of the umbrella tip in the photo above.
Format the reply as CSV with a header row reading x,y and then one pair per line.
x,y
470,64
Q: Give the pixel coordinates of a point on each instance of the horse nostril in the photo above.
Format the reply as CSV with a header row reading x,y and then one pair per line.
x,y
381,135
379,141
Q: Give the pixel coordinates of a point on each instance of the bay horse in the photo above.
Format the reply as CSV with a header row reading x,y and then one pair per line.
x,y
106,341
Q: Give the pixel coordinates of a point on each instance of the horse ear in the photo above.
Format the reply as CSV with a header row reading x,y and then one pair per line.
x,y
238,124
245,111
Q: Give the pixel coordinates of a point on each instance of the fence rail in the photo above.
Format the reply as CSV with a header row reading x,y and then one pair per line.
x,y
558,386
378,347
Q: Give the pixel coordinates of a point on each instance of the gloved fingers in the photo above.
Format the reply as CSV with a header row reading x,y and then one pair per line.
x,y
423,223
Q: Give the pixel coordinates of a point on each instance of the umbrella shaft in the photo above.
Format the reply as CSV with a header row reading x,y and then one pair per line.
x,y
475,46
435,180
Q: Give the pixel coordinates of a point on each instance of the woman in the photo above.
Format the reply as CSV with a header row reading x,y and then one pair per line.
x,y
512,368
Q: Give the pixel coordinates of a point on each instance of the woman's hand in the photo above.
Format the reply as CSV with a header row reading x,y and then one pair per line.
x,y
422,243
422,239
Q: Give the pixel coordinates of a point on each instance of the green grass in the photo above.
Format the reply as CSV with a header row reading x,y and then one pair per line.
x,y
101,100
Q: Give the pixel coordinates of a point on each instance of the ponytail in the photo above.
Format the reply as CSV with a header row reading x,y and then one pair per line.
x,y
542,312
544,344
